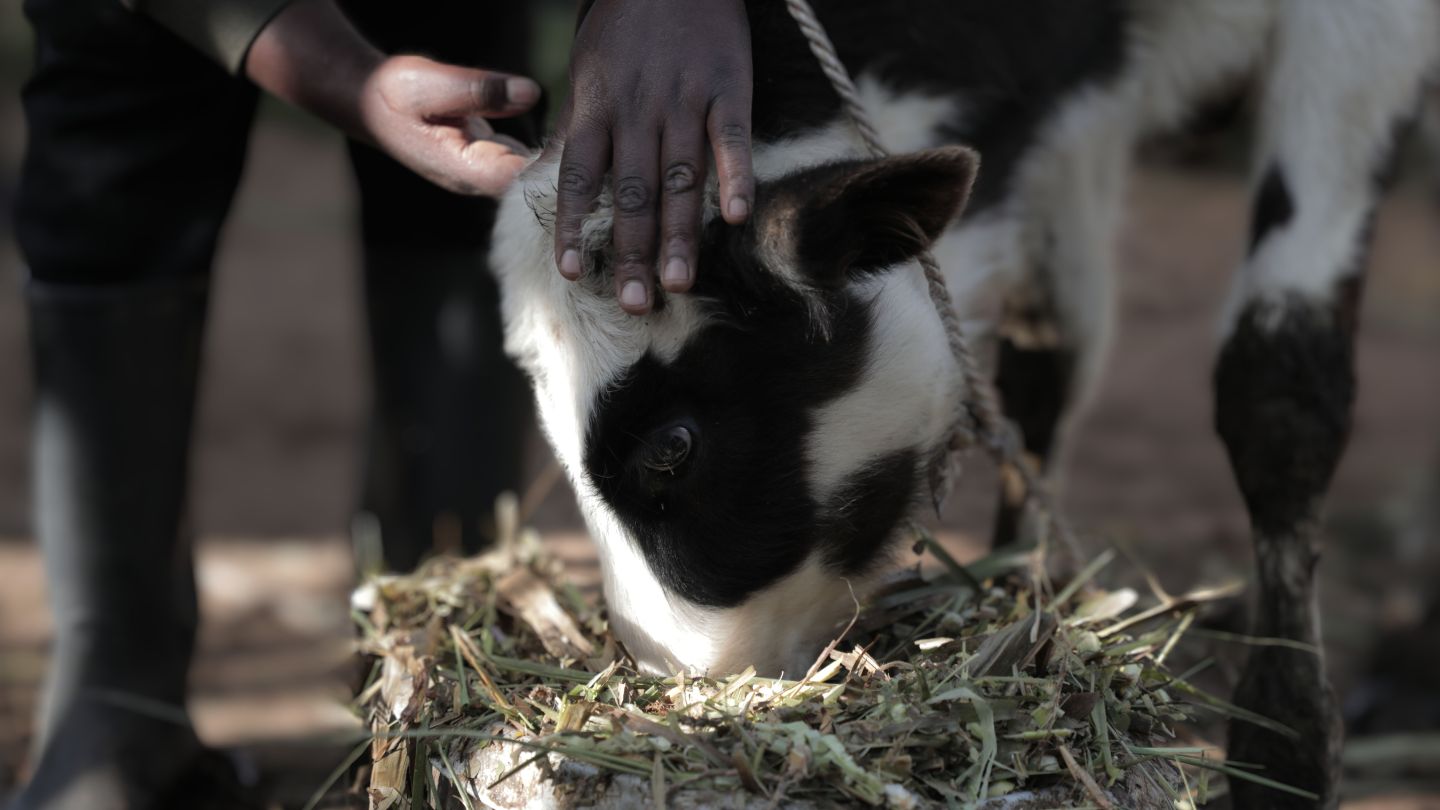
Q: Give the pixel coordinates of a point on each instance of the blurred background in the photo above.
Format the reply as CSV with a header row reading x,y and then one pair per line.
x,y
285,398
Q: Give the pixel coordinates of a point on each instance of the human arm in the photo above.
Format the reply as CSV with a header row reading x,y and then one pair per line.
x,y
429,116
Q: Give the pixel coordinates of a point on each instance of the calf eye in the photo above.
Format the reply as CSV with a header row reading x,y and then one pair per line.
x,y
667,448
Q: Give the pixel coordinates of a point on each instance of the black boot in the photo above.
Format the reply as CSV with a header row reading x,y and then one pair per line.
x,y
450,412
115,371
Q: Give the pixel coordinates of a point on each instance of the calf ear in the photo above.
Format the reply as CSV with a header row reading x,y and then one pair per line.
x,y
842,220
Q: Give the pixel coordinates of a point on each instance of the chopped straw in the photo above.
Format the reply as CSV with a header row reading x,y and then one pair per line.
x,y
496,684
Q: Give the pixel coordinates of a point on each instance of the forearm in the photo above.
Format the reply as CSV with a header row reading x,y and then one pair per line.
x,y
221,29
313,57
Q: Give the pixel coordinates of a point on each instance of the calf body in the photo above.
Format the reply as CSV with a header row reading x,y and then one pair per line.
x,y
746,454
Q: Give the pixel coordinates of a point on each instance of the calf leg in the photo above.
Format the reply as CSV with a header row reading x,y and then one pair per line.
x,y
1284,386
1034,372
1055,323
1342,78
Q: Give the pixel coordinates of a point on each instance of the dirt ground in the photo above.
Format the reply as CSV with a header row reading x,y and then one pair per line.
x,y
284,400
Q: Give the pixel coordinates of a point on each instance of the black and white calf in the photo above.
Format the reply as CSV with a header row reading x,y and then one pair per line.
x,y
745,453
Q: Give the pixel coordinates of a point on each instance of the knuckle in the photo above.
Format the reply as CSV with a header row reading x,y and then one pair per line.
x,y
406,68
741,182
402,84
632,262
576,181
681,176
733,136
632,195
678,242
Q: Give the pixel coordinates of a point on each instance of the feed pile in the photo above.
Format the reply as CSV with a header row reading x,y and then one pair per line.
x,y
494,683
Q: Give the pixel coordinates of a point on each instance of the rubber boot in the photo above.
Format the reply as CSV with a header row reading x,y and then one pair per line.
x,y
115,376
450,409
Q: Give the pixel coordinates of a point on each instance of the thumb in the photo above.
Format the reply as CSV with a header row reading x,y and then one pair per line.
x,y
436,90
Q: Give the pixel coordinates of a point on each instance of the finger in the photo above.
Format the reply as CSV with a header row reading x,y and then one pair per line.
x,y
469,158
584,158
478,129
435,90
463,166
636,179
492,166
682,182
729,128
510,143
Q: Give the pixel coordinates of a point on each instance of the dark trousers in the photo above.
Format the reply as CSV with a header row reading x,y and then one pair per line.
x,y
136,144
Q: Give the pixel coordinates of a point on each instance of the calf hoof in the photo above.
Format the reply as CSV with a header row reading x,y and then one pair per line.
x,y
1289,687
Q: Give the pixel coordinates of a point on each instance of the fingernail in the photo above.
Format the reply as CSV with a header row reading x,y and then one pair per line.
x,y
632,295
521,91
570,264
676,272
739,208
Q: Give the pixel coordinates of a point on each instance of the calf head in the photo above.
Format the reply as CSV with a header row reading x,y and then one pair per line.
x,y
744,453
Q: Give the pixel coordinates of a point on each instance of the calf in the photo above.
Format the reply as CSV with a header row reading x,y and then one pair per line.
x,y
745,454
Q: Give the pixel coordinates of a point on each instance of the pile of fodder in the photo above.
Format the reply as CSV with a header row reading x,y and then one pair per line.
x,y
497,684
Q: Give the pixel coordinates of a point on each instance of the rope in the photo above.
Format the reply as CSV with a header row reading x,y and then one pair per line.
x,y
981,418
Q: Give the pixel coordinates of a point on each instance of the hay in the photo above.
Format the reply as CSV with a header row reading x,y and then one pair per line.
x,y
496,684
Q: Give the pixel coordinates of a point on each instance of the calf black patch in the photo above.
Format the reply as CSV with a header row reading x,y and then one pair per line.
x,y
868,508
849,219
1007,64
1034,385
1274,207
738,512
1282,406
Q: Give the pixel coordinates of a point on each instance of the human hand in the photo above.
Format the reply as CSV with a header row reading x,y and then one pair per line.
x,y
432,118
429,116
652,83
